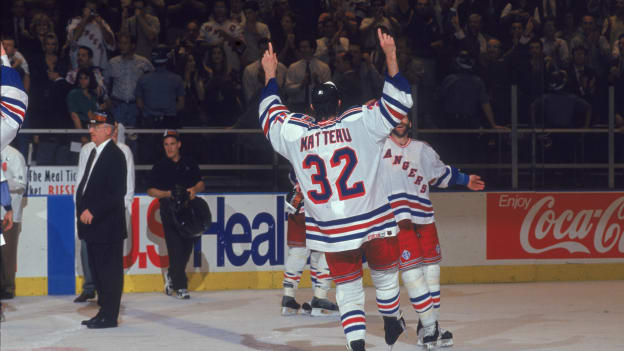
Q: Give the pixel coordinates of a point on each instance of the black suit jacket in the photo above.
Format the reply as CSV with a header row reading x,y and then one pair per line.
x,y
104,198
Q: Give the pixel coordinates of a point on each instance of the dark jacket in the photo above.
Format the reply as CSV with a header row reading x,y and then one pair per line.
x,y
104,197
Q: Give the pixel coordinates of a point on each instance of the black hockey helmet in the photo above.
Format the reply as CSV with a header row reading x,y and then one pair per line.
x,y
324,99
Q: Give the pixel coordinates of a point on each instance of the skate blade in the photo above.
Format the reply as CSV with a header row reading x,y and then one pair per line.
x,y
430,346
321,312
287,311
445,343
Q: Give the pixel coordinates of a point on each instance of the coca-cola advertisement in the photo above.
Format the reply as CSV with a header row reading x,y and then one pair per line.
x,y
555,225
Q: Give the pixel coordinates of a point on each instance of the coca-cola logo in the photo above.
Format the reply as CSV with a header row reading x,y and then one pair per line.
x,y
565,225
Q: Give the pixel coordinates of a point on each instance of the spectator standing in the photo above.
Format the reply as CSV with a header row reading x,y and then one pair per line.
x,y
496,73
175,170
14,171
40,27
371,81
17,61
218,89
369,25
348,81
613,26
49,104
253,30
253,77
160,94
599,50
179,14
285,39
332,42
92,31
581,77
142,27
221,30
471,39
125,71
554,47
237,11
16,24
305,73
463,98
85,61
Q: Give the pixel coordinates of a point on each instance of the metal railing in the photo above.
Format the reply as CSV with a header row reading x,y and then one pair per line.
x,y
275,167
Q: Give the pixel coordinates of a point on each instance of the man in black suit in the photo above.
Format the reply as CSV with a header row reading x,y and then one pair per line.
x,y
101,219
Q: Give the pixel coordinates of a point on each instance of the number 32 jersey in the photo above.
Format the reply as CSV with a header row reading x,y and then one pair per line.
x,y
337,164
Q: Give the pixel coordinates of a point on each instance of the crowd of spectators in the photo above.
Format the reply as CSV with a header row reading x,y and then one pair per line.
x,y
192,63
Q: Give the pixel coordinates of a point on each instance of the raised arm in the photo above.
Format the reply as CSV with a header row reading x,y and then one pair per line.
x,y
389,48
279,125
269,64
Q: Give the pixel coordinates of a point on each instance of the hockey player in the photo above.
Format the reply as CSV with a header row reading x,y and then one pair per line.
x,y
412,167
298,256
13,101
337,163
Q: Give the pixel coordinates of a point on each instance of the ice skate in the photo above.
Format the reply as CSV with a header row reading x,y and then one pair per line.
x,y
356,345
428,336
183,294
289,306
445,339
393,327
323,307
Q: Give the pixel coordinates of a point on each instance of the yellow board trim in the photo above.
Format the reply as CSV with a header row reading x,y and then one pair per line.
x,y
273,279
31,286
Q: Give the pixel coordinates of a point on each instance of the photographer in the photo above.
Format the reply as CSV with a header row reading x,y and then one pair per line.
x,y
92,31
143,27
167,176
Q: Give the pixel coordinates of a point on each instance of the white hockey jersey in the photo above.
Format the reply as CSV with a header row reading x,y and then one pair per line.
x,y
337,164
411,169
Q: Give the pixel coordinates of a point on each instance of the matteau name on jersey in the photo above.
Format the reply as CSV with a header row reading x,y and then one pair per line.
x,y
334,136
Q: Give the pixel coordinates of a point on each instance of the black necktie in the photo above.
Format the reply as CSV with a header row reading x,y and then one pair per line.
x,y
83,181
307,87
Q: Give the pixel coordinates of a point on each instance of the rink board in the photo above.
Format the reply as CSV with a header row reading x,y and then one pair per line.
x,y
485,238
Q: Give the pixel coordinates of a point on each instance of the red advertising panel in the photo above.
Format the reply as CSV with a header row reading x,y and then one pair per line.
x,y
555,225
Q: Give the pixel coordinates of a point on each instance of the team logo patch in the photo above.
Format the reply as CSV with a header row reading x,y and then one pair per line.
x,y
438,249
406,255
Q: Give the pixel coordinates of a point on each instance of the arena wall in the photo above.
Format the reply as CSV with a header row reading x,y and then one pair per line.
x,y
485,238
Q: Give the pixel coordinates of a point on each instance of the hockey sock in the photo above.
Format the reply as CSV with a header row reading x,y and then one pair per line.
x,y
296,260
320,271
432,276
350,299
414,281
387,291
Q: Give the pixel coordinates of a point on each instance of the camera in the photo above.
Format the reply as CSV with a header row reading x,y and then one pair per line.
x,y
179,197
